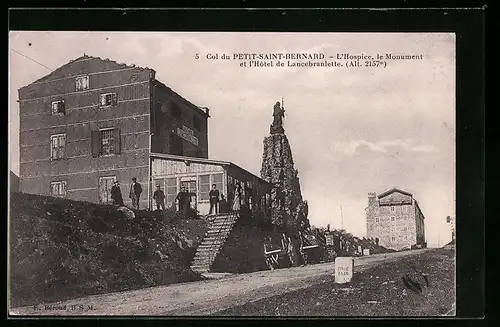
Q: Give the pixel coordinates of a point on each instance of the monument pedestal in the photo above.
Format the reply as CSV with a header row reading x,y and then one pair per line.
x,y
276,130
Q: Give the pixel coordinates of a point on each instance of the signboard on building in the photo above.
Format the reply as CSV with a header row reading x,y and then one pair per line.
x,y
187,134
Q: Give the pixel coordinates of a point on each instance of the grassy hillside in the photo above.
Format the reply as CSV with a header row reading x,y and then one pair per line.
x,y
61,249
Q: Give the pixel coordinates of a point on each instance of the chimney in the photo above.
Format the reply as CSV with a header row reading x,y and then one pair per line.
x,y
372,198
152,74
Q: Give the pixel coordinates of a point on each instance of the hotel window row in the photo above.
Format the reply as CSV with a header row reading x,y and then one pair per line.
x,y
404,208
59,188
104,142
392,218
105,100
199,186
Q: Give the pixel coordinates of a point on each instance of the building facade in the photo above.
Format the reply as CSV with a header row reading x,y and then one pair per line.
x,y
198,175
395,218
94,121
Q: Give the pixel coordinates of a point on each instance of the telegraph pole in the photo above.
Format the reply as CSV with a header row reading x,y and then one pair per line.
x,y
341,218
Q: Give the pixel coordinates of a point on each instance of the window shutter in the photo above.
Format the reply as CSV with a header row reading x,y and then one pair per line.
x,y
96,143
103,100
114,99
117,139
61,108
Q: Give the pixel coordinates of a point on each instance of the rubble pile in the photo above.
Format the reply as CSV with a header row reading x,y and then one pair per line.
x,y
61,249
344,244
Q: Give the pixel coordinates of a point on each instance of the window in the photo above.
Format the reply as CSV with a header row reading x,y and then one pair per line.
x,y
82,83
196,123
405,229
58,189
393,238
206,182
405,208
377,220
217,180
204,187
108,99
57,146
58,107
392,218
171,191
106,142
392,208
105,185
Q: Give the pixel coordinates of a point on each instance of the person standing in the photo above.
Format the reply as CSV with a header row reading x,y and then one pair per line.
x,y
159,197
116,194
180,200
135,193
214,199
183,199
237,198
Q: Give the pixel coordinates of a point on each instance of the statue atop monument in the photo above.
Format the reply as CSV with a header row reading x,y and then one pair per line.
x,y
278,115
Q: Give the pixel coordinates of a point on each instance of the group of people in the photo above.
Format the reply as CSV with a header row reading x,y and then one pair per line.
x,y
134,194
240,198
218,203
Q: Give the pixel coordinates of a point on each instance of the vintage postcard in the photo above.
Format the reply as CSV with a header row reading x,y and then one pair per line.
x,y
231,174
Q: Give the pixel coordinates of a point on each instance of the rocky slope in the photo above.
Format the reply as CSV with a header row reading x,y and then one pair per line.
x,y
62,249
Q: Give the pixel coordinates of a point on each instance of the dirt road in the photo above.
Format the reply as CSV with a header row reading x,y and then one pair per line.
x,y
203,297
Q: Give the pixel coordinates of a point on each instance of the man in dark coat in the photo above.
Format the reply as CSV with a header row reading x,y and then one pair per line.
x,y
183,198
135,193
159,197
214,199
116,194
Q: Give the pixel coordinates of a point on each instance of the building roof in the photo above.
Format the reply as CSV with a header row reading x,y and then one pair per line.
x,y
202,161
392,191
189,103
54,75
55,72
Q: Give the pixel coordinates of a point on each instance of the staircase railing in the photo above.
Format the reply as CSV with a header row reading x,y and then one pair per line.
x,y
211,255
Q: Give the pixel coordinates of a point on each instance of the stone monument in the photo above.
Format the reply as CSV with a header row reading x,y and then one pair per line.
x,y
288,209
344,269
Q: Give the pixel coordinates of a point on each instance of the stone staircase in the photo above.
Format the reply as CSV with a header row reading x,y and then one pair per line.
x,y
213,241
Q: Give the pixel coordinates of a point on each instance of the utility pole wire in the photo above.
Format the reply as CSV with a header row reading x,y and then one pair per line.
x,y
31,59
341,218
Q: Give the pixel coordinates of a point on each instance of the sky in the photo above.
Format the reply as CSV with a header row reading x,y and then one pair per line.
x,y
351,130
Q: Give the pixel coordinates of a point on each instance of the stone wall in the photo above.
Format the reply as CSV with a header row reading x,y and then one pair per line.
x,y
243,251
